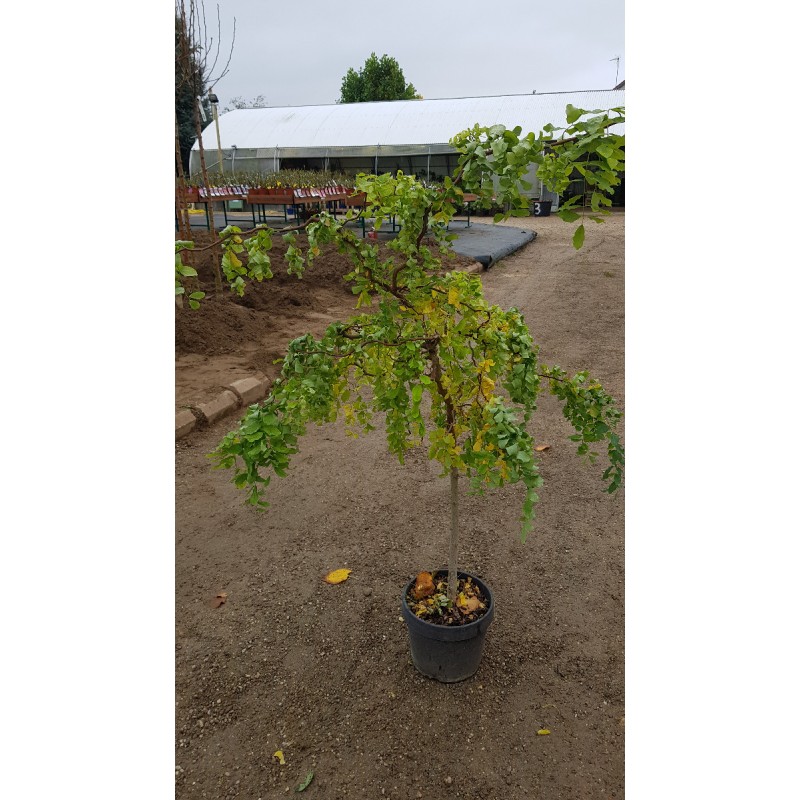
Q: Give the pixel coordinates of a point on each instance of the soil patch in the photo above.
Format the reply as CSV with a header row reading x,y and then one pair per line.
x,y
231,337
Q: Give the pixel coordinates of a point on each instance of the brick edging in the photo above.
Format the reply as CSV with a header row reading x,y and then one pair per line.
x,y
239,393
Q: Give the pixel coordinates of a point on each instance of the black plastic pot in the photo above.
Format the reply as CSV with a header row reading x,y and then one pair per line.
x,y
541,208
448,653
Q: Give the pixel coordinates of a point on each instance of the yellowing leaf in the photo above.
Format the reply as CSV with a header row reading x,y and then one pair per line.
x,y
467,604
337,576
453,297
543,732
279,755
540,447
363,299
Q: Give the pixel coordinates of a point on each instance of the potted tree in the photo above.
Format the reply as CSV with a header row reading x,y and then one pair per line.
x,y
441,364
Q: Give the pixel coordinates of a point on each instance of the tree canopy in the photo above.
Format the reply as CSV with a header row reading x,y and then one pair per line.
x,y
189,85
379,79
238,102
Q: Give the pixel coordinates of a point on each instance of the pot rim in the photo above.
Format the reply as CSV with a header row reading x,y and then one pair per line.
x,y
451,632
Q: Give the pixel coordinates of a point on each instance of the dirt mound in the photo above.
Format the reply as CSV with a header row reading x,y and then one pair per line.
x,y
256,327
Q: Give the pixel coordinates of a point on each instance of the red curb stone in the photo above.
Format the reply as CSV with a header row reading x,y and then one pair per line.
x,y
184,423
218,407
248,390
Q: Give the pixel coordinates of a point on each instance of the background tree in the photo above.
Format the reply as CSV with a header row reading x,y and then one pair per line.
x,y
236,103
189,85
195,63
379,79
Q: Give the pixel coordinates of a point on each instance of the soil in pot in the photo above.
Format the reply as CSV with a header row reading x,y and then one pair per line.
x,y
427,599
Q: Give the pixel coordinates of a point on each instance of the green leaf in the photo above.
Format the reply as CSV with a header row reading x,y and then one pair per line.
x,y
578,236
304,785
605,150
574,114
571,202
416,393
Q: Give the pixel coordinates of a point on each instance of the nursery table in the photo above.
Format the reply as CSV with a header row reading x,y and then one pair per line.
x,y
261,201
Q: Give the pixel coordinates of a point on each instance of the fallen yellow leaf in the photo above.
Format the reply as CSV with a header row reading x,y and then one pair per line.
x,y
540,447
219,600
337,576
543,732
279,755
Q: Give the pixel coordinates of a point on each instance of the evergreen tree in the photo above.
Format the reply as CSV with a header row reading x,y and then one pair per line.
x,y
379,79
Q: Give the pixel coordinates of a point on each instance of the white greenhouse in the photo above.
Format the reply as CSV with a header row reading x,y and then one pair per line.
x,y
408,135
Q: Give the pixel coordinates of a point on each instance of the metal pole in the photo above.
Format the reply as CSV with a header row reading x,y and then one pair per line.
x,y
219,143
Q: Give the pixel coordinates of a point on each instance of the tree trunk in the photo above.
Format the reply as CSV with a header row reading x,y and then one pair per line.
x,y
184,226
452,568
432,346
211,227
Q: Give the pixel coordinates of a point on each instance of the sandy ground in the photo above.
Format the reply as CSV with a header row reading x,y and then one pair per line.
x,y
322,672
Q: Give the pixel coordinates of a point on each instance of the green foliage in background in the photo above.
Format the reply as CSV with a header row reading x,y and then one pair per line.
x,y
379,79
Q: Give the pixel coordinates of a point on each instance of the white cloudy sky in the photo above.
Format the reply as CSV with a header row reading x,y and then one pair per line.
x,y
296,53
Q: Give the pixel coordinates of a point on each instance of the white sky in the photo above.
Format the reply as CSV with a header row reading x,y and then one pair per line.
x,y
296,53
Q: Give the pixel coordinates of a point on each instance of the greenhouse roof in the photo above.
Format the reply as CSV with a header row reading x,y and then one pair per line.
x,y
399,125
